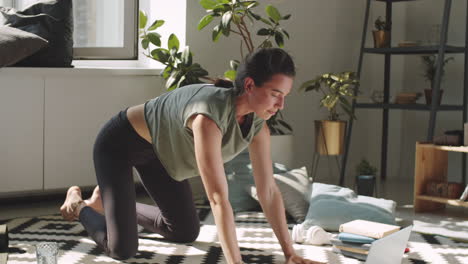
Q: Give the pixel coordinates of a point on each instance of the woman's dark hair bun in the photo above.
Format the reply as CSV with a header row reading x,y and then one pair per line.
x,y
223,83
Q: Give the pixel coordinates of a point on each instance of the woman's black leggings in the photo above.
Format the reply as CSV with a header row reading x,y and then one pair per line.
x,y
117,149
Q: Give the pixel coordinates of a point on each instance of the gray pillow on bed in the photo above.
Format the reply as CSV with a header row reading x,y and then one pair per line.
x,y
16,44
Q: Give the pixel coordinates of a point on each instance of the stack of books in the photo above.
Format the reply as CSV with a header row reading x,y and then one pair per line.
x,y
355,237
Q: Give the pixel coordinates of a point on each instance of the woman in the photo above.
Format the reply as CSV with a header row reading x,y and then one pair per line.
x,y
184,133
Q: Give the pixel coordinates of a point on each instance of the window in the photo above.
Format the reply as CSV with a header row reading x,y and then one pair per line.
x,y
104,29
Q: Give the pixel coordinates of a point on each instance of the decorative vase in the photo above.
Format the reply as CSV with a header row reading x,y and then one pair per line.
x,y
428,95
381,38
329,137
365,185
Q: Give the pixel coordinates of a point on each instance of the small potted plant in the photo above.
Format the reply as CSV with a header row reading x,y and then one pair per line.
x,y
429,63
382,33
365,178
336,88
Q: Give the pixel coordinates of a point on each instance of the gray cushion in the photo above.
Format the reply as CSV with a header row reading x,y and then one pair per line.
x,y
51,20
295,188
239,176
16,44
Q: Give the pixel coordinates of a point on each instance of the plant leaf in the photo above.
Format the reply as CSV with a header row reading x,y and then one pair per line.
x,y
226,19
231,75
161,55
167,72
205,21
173,42
286,17
216,33
266,21
143,19
234,64
145,43
186,56
273,13
208,4
279,39
172,80
156,24
285,32
263,32
155,38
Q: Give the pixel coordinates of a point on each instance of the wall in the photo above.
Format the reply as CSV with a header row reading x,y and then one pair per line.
x,y
424,14
325,36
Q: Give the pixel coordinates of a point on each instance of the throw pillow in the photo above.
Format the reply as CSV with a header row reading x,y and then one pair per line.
x,y
239,175
51,20
295,188
331,205
16,45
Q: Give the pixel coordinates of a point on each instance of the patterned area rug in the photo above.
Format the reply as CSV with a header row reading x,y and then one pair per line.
x,y
257,242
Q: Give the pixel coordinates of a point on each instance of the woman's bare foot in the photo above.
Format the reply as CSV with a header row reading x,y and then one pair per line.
x,y
95,201
72,203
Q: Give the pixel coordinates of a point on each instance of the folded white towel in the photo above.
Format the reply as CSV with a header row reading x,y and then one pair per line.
x,y
312,235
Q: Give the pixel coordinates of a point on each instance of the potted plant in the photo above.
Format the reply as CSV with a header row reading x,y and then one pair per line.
x,y
382,33
336,88
233,16
365,178
429,63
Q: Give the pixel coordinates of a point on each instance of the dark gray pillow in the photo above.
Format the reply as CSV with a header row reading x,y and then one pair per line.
x,y
16,45
51,20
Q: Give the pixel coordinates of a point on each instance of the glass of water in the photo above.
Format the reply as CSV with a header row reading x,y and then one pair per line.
x,y
46,253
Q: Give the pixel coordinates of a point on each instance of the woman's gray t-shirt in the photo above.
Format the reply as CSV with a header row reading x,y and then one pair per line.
x,y
167,117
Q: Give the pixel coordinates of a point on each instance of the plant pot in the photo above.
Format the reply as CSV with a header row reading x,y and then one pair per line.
x,y
381,39
365,185
329,137
428,95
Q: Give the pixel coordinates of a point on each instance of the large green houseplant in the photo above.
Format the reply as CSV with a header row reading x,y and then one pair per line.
x,y
337,89
232,18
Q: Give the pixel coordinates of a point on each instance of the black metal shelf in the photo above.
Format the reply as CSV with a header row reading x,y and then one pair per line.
x,y
417,107
414,50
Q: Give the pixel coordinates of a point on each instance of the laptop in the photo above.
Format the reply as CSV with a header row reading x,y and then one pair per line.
x,y
389,249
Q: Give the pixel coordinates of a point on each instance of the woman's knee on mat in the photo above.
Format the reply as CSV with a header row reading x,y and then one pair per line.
x,y
185,234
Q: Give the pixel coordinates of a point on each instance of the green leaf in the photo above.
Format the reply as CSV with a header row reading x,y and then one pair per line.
x,y
266,21
173,42
205,21
263,32
231,75
226,19
181,81
255,16
273,13
236,19
156,24
197,70
145,43
226,30
143,19
167,72
267,44
208,4
172,80
279,39
234,64
161,55
155,38
216,33
186,56
286,17
285,32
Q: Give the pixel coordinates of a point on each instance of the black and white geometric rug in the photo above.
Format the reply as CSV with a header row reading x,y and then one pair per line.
x,y
256,240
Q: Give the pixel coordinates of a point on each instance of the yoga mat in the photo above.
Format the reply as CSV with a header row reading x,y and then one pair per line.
x,y
3,244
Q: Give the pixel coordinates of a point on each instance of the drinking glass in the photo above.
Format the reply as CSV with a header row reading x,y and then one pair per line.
x,y
46,253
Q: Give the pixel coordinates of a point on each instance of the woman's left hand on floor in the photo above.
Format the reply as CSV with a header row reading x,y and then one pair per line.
x,y
295,259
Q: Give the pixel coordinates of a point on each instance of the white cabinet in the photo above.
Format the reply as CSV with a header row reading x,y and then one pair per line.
x,y
21,134
75,110
49,120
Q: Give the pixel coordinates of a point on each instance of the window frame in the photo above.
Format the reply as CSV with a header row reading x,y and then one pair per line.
x,y
129,51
